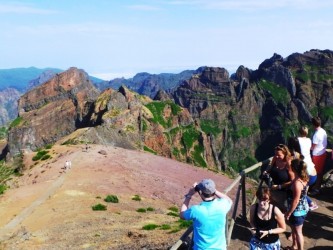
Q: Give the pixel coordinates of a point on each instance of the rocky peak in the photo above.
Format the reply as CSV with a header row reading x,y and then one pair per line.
x,y
53,110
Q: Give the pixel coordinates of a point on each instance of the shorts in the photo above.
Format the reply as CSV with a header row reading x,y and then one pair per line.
x,y
296,220
312,180
256,244
319,161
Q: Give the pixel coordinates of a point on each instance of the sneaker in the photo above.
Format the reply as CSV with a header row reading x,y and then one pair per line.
x,y
313,206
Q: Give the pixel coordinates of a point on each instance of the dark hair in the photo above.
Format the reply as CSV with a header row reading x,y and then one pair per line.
x,y
293,145
299,167
261,192
316,121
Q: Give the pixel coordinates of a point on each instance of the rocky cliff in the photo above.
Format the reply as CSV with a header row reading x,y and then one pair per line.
x,y
52,110
214,120
8,105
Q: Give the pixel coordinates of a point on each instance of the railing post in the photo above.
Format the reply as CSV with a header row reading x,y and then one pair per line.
x,y
243,196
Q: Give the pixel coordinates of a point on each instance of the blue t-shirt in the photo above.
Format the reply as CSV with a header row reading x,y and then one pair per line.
x,y
209,224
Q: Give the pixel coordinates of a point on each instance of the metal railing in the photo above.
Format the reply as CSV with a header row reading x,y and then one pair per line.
x,y
241,191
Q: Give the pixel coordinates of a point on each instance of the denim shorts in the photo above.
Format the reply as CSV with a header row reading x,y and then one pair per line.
x,y
297,220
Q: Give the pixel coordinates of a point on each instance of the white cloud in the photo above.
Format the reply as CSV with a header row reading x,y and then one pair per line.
x,y
112,75
253,5
23,9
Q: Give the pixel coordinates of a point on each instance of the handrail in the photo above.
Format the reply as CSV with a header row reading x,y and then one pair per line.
x,y
240,180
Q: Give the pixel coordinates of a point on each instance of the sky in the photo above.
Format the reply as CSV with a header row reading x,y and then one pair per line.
x,y
119,38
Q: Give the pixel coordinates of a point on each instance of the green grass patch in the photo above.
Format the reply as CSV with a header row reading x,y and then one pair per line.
x,y
2,188
197,156
41,154
210,127
173,209
150,209
16,122
141,210
190,135
157,109
99,207
184,223
3,133
165,227
150,227
136,198
145,148
48,146
70,142
279,94
326,113
111,198
173,214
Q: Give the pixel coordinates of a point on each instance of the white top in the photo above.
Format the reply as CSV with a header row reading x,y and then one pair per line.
x,y
320,139
305,144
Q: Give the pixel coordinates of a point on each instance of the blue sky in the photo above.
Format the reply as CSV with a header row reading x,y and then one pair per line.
x,y
114,38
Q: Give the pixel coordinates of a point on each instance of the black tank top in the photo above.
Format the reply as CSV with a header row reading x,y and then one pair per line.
x,y
265,225
279,176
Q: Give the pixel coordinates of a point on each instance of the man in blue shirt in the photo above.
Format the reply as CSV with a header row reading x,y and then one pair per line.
x,y
209,217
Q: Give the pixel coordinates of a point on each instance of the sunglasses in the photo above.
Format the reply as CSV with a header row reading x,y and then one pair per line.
x,y
264,199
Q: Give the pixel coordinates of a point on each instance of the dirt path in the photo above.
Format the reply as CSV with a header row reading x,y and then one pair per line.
x,y
52,210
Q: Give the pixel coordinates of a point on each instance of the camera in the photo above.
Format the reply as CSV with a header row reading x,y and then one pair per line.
x,y
267,179
258,233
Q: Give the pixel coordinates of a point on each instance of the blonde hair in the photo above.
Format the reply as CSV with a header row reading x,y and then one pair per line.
x,y
303,131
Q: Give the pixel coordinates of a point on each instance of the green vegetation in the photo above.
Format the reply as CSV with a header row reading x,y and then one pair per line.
x,y
3,133
173,209
150,209
197,156
144,125
190,135
111,198
2,188
41,155
141,210
242,163
165,227
150,227
157,109
279,94
48,146
5,174
173,214
145,148
71,141
210,127
326,113
312,73
99,207
136,198
16,122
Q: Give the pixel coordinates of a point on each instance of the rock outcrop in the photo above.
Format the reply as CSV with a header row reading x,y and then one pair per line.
x,y
8,105
53,110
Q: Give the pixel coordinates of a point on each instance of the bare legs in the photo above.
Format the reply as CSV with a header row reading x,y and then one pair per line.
x,y
298,239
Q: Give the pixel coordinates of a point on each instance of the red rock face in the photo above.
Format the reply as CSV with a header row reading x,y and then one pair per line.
x,y
53,110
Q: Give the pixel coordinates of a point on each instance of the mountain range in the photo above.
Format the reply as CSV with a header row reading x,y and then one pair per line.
x,y
205,117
